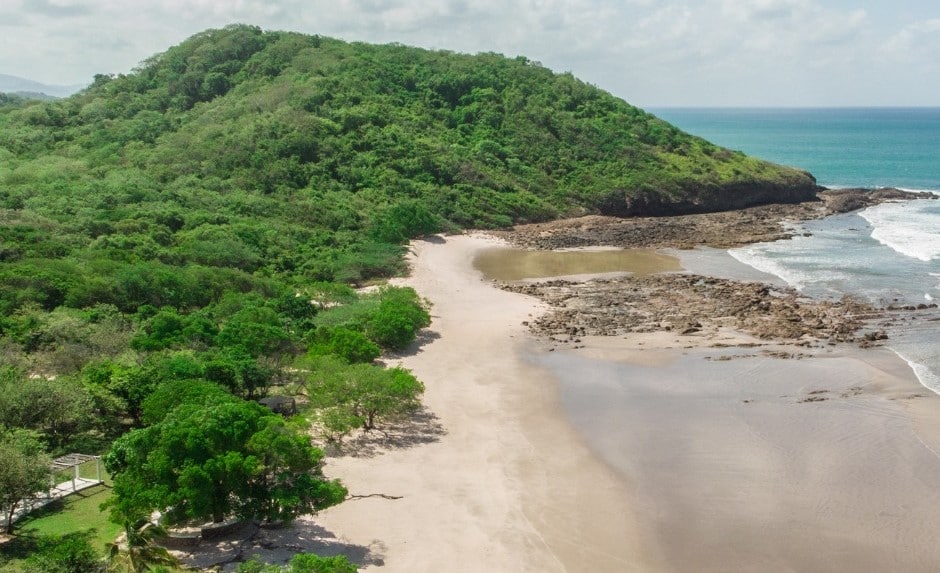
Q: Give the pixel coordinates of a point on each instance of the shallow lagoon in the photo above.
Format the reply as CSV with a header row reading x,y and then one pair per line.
x,y
507,264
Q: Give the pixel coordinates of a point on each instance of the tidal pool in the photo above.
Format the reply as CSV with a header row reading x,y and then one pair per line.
x,y
518,264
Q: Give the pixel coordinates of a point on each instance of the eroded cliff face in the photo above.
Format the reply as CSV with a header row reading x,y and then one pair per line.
x,y
699,197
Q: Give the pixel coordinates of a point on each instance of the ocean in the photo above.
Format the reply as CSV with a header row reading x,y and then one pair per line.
x,y
887,254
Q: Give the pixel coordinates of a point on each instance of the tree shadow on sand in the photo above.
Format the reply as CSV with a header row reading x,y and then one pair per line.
x,y
422,338
276,546
423,427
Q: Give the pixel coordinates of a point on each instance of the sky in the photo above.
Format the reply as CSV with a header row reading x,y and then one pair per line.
x,y
652,53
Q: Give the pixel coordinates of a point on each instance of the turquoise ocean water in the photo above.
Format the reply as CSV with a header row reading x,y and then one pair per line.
x,y
888,254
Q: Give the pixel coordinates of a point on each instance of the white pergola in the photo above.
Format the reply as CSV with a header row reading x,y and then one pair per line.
x,y
74,462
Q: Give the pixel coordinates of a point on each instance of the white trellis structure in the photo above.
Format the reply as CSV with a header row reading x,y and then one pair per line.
x,y
74,462
58,489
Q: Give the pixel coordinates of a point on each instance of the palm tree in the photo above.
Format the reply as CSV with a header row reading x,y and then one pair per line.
x,y
139,552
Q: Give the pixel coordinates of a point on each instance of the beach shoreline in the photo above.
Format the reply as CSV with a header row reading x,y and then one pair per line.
x,y
509,485
516,481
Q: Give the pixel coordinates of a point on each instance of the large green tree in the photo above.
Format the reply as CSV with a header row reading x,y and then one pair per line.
x,y
400,315
361,395
24,470
212,461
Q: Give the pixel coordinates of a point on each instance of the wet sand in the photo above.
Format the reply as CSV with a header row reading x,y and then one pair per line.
x,y
757,463
504,264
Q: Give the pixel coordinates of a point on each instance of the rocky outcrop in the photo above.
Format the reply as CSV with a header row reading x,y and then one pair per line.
x,y
725,229
700,197
847,200
691,304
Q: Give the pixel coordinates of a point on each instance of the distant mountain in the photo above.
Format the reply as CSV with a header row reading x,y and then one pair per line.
x,y
30,89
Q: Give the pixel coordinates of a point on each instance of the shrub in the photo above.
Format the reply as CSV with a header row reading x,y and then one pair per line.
x,y
69,553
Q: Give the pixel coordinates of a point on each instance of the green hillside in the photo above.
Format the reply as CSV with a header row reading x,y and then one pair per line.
x,y
260,164
285,154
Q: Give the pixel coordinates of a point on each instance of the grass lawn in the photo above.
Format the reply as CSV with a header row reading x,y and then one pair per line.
x,y
76,512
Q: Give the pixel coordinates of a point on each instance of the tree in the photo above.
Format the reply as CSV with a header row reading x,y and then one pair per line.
x,y
351,345
160,331
358,395
174,393
257,329
132,384
238,371
58,409
400,315
25,469
404,220
69,553
211,461
385,393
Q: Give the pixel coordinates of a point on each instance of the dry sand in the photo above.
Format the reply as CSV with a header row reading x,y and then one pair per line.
x,y
507,485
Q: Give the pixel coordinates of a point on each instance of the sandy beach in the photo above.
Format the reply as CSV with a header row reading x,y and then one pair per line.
x,y
645,452
508,485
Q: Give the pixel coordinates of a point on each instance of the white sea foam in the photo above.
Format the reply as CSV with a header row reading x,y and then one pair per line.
x,y
927,377
799,262
756,256
910,228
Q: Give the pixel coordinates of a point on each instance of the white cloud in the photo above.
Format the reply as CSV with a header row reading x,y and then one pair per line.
x,y
649,51
917,42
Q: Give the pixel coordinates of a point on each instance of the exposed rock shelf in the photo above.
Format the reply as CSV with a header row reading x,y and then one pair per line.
x,y
725,229
692,304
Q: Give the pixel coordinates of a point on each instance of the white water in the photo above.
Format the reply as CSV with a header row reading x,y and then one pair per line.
x,y
910,228
888,254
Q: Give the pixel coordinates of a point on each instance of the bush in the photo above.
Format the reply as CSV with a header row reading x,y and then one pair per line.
x,y
350,345
301,563
399,317
69,553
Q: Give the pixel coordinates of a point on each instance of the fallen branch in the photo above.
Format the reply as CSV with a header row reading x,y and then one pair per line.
x,y
382,495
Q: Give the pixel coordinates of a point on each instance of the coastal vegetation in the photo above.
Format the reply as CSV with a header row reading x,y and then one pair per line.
x,y
182,240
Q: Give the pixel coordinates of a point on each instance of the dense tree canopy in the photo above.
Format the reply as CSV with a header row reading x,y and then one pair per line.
x,y
24,470
217,458
342,150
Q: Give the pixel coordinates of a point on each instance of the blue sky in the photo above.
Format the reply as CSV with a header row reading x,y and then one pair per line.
x,y
652,53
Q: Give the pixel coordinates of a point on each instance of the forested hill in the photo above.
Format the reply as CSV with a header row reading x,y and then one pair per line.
x,y
171,242
283,153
